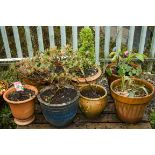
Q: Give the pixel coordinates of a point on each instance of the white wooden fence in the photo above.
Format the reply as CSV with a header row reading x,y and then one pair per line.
x,y
74,40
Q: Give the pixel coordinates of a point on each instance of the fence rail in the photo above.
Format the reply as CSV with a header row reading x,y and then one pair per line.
x,y
107,30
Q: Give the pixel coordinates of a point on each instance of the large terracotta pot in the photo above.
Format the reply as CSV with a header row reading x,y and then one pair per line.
x,y
114,77
131,110
23,111
79,82
93,107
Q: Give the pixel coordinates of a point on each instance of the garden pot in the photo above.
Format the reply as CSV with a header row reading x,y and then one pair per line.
x,y
131,110
23,111
59,115
79,82
92,107
114,77
2,92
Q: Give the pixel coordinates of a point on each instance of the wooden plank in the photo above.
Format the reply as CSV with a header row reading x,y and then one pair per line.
x,y
107,41
63,36
142,39
5,41
40,39
80,118
75,38
131,38
17,41
51,36
90,126
97,44
118,38
28,40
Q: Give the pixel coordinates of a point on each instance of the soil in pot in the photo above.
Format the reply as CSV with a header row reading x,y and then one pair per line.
x,y
21,95
135,90
92,93
88,72
58,96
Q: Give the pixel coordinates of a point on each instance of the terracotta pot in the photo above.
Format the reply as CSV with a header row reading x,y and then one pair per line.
x,y
93,107
23,111
114,77
131,110
79,82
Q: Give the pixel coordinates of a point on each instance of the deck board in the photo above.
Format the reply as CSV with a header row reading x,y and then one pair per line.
x,y
107,120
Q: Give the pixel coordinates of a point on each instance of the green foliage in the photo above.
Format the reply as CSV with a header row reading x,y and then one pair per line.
x,y
152,119
87,42
6,120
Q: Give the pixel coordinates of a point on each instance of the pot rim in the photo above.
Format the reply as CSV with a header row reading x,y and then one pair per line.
x,y
20,102
57,105
90,78
94,99
136,79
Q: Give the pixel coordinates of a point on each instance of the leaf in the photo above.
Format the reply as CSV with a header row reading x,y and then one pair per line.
x,y
140,57
131,94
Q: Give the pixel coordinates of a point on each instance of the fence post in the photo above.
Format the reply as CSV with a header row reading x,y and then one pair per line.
x,y
97,44
118,38
51,36
75,40
28,40
107,41
5,41
131,38
63,36
17,41
40,39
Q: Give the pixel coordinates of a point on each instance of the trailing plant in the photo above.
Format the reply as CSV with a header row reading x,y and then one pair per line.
x,y
6,120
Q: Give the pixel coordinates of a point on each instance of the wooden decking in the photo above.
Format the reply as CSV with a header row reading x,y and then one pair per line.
x,y
107,120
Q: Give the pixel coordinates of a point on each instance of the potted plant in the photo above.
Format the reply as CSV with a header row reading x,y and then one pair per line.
x,y
93,99
38,70
59,101
123,61
21,103
131,96
81,64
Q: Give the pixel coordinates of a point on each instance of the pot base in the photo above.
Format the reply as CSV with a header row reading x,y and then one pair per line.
x,y
24,121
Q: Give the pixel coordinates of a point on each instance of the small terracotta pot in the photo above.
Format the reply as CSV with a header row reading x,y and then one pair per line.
x,y
131,110
79,82
93,107
23,111
114,77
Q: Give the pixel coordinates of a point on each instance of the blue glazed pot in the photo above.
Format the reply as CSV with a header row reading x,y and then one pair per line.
x,y
59,115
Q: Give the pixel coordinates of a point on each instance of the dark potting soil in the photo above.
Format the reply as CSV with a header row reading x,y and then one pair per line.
x,y
21,95
92,93
88,72
59,96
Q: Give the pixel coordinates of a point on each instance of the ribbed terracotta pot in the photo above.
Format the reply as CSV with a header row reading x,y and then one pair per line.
x,y
79,82
93,107
23,111
114,77
131,110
